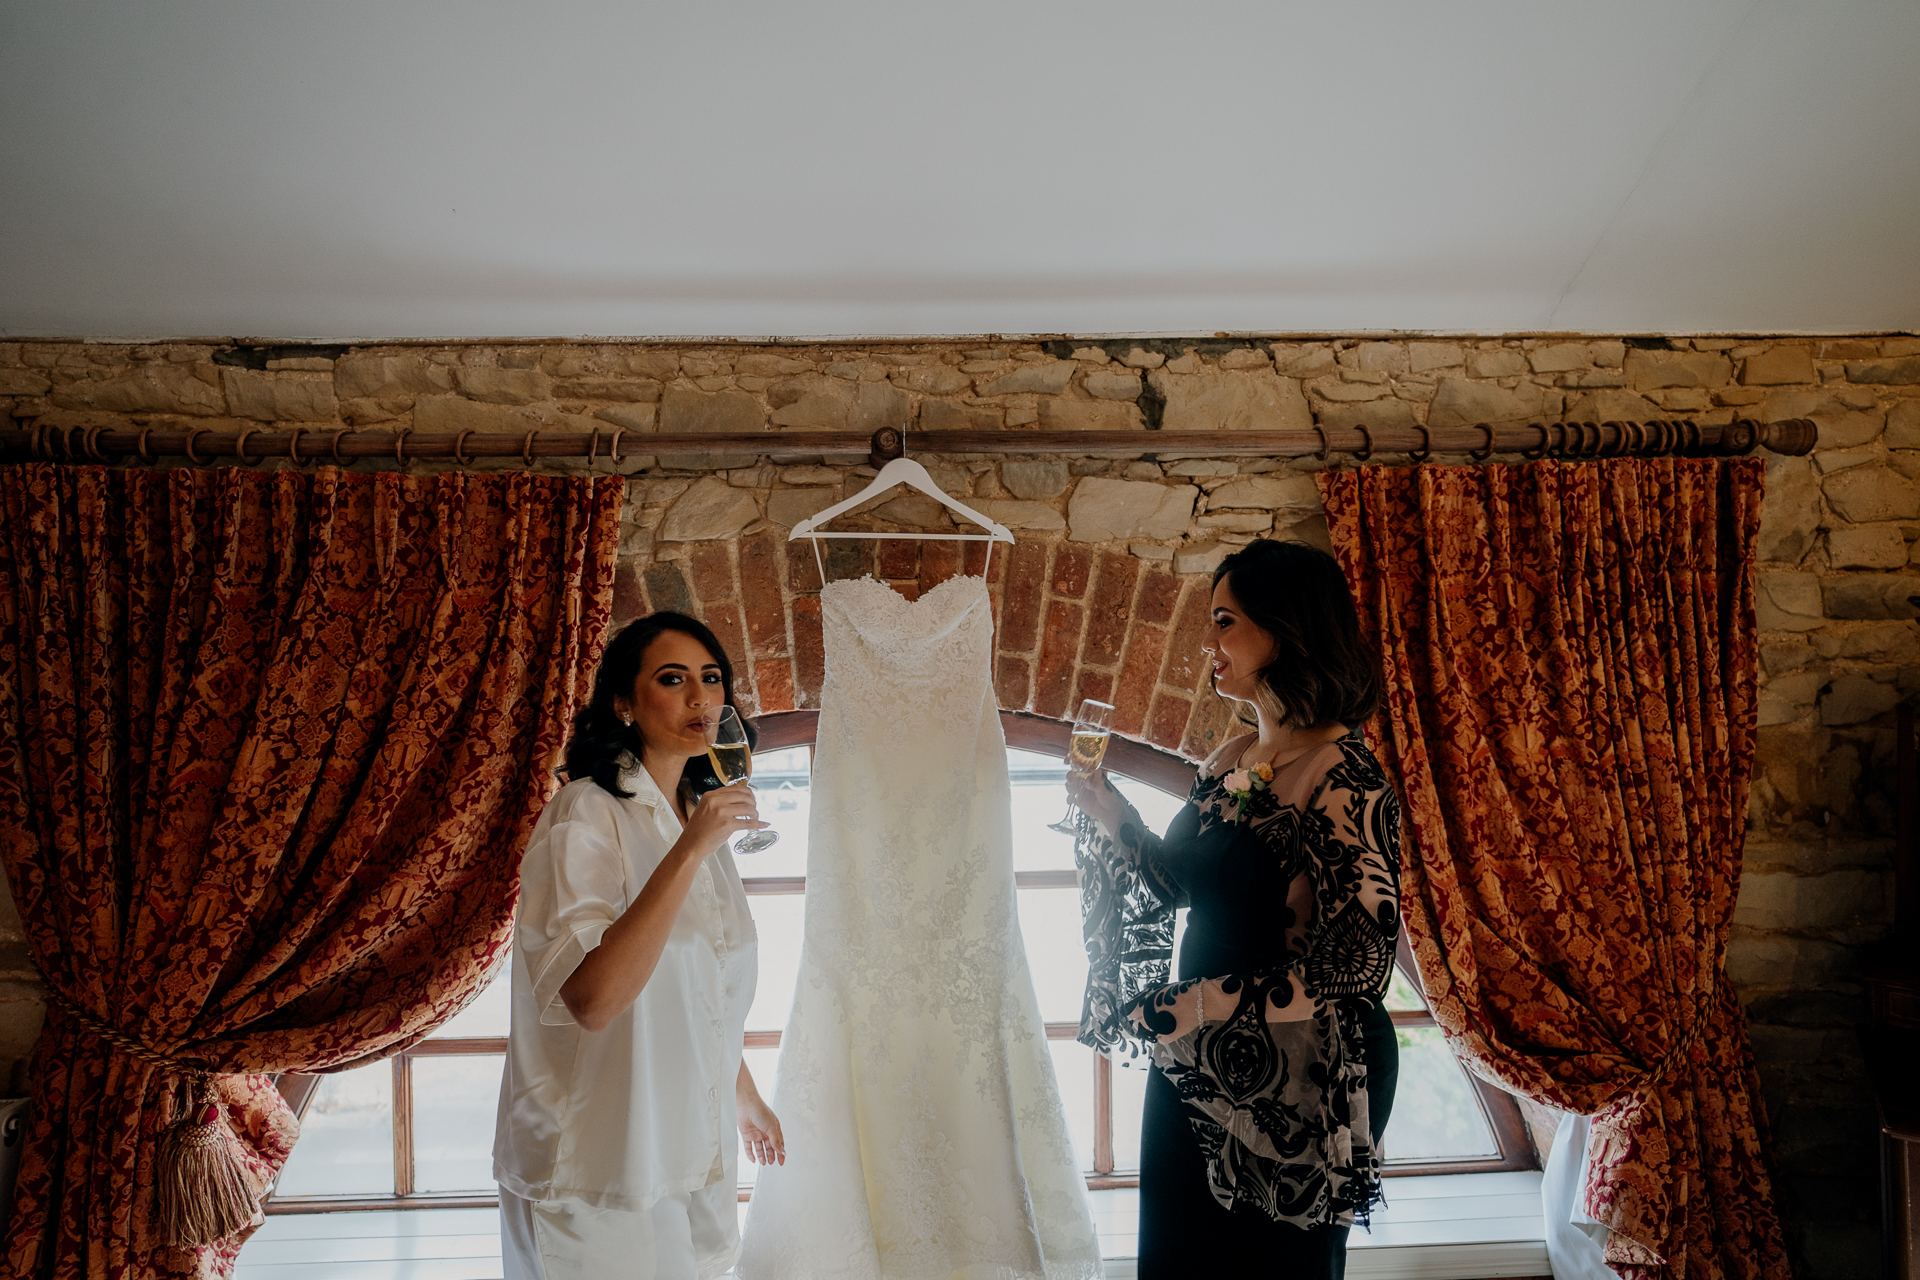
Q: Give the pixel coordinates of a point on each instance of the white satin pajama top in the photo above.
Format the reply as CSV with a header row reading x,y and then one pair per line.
x,y
621,1117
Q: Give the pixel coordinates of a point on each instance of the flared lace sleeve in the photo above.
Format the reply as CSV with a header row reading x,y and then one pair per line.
x,y
1127,901
1350,836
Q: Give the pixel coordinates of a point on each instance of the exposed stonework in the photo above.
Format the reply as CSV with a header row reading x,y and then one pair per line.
x,y
1104,594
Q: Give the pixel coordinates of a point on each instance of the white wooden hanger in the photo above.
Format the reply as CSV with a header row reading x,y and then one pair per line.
x,y
908,472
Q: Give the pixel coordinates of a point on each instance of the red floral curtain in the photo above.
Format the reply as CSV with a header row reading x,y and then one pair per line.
x,y
270,747
1570,671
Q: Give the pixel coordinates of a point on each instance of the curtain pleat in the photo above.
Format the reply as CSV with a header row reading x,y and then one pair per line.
x,y
1570,659
270,747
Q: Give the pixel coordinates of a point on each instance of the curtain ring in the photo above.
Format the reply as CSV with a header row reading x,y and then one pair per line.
x,y
144,433
1362,454
613,450
66,442
293,446
526,448
1539,449
1426,445
400,445
89,444
240,448
1693,436
593,447
459,447
1322,454
193,435
1485,450
336,443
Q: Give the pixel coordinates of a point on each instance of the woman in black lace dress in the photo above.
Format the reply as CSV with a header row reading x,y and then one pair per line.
x,y
1273,1058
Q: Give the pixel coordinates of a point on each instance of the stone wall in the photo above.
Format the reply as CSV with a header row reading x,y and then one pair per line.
x,y
1104,593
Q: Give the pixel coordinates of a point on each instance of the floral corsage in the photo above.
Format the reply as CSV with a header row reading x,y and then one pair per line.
x,y
1244,784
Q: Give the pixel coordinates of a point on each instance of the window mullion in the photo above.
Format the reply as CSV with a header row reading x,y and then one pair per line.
x,y
402,1125
1102,1114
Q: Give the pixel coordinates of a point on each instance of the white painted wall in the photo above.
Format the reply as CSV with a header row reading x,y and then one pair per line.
x,y
433,168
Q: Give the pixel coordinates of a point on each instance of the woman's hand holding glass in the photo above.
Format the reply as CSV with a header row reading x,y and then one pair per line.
x,y
1092,795
721,815
1088,746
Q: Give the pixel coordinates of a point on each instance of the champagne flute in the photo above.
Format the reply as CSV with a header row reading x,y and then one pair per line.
x,y
732,761
1091,729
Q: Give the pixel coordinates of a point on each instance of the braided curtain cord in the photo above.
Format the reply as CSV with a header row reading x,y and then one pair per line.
x,y
203,1192
126,1043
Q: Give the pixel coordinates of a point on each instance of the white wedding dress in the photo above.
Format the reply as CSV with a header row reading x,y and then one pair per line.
x,y
924,1132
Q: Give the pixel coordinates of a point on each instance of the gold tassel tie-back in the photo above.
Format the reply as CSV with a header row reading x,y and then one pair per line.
x,y
203,1192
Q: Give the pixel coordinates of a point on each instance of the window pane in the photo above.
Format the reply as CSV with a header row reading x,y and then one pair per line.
x,y
780,787
346,1140
1436,1113
1039,797
763,1063
488,1014
1155,806
1050,926
1129,1100
455,1100
1073,1071
780,919
1403,996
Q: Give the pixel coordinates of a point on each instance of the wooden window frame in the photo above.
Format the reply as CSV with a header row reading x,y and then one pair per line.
x,y
1136,760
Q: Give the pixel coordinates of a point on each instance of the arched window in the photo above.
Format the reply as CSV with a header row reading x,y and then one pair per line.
x,y
418,1129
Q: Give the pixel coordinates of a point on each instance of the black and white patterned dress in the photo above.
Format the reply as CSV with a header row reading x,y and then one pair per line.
x,y
1272,1054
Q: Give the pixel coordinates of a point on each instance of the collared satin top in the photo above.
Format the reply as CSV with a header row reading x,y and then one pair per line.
x,y
621,1117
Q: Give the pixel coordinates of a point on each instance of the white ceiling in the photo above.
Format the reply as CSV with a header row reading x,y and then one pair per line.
x,y
447,168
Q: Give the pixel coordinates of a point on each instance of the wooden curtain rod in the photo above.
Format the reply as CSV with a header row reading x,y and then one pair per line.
x,y
1359,443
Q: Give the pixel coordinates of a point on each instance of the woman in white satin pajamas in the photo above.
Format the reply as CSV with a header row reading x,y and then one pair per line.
x,y
634,963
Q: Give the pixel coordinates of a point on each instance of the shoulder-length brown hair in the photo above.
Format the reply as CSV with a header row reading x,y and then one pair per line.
x,y
1321,670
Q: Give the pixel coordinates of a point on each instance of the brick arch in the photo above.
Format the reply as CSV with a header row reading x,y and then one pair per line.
x,y
1071,622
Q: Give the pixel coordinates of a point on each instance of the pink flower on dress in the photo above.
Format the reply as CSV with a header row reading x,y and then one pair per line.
x,y
1239,780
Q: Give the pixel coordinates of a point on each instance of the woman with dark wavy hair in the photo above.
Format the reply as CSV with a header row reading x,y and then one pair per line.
x,y
1273,1057
634,963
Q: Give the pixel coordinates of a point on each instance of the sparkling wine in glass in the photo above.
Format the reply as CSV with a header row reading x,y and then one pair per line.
x,y
733,762
1091,729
